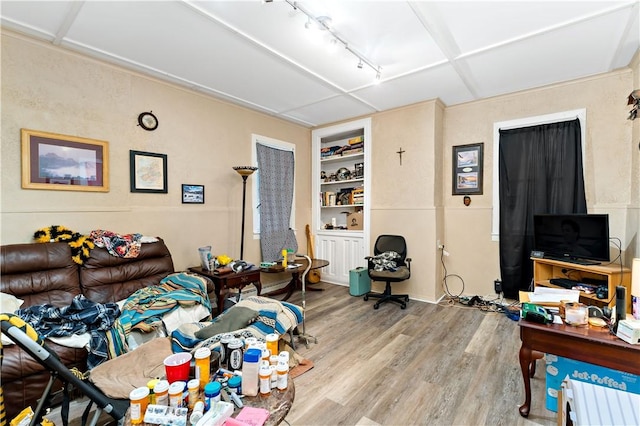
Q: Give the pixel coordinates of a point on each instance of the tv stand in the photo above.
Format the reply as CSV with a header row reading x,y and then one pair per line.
x,y
613,275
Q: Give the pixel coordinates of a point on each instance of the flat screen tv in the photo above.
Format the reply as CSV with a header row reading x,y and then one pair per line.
x,y
577,238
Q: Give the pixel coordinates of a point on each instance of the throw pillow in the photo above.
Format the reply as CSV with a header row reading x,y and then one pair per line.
x,y
235,318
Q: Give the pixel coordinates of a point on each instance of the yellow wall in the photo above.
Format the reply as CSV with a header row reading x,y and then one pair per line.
x,y
49,89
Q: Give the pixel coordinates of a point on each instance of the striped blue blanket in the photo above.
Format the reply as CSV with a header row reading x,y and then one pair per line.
x,y
274,316
144,309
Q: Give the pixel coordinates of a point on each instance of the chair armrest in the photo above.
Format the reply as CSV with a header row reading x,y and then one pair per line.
x,y
408,262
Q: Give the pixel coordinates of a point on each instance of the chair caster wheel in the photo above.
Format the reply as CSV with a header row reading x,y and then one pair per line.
x,y
366,297
376,306
403,306
406,299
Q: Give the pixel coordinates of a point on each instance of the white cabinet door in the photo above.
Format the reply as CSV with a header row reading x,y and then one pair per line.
x,y
344,252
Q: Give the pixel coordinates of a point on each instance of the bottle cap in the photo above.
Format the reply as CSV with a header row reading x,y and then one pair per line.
x,y
234,382
161,386
176,387
252,355
212,388
193,383
139,393
203,353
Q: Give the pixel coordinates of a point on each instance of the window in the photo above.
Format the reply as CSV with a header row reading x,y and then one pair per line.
x,y
581,114
276,144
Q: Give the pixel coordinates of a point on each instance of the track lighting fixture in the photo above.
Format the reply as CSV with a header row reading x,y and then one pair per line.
x,y
324,23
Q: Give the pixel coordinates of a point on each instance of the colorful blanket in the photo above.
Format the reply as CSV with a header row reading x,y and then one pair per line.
x,y
274,316
144,309
126,246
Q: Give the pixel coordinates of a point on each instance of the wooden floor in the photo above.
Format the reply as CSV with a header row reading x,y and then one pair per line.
x,y
425,365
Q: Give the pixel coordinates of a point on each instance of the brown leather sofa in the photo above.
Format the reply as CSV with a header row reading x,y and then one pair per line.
x,y
46,274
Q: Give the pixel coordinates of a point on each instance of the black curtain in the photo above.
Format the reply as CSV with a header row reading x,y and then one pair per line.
x,y
540,172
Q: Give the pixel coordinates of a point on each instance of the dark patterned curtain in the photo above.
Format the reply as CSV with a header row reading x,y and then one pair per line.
x,y
540,172
276,197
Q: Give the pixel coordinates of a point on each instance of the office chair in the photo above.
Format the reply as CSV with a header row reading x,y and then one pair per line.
x,y
28,339
389,263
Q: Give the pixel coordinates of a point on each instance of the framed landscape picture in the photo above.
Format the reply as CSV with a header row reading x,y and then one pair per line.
x,y
64,163
192,194
148,172
467,169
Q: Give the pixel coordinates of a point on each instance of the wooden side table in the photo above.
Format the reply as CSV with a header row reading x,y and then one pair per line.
x,y
225,282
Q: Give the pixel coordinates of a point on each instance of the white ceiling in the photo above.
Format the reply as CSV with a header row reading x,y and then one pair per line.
x,y
259,54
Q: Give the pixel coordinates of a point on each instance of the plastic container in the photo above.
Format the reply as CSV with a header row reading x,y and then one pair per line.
x,y
161,391
274,376
272,343
151,384
139,399
284,357
250,342
193,386
224,351
264,376
203,366
176,391
283,376
197,413
284,258
236,351
234,384
211,394
250,365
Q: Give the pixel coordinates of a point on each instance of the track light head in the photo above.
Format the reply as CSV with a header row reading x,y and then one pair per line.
x,y
360,64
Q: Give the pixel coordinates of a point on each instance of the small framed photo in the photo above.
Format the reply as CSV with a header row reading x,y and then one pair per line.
x,y
148,172
192,194
467,169
64,163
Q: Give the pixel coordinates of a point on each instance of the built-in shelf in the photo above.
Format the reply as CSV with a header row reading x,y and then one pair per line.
x,y
342,157
339,182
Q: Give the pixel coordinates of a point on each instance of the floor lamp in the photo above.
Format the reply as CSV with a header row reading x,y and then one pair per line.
x,y
245,172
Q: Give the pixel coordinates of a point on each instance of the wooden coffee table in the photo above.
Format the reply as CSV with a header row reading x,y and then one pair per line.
x,y
223,283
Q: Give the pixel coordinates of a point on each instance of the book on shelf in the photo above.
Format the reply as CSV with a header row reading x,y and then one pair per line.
x,y
356,140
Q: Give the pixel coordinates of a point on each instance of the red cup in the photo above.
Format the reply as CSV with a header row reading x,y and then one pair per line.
x,y
177,367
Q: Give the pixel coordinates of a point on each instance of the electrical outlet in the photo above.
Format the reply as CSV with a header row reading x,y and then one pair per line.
x,y
439,245
497,286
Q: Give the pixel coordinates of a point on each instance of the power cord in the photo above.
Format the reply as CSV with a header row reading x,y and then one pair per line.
x,y
452,298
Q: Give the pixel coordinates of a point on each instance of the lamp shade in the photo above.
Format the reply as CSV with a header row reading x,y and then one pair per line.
x,y
635,288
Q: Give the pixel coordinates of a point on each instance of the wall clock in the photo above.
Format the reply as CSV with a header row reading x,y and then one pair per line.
x,y
148,121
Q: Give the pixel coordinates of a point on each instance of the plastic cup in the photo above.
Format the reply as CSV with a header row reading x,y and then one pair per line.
x,y
177,367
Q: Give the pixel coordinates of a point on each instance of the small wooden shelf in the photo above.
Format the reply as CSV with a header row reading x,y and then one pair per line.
x,y
342,157
546,269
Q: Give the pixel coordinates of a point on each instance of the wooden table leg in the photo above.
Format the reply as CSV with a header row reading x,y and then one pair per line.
x,y
526,358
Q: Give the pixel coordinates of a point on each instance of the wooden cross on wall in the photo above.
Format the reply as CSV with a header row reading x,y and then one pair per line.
x,y
400,154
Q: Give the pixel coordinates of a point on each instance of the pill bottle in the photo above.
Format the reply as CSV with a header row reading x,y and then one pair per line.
x,y
234,384
273,360
284,357
161,391
250,372
197,413
202,357
236,351
265,353
211,394
264,374
283,376
250,342
176,389
272,343
224,353
139,399
274,376
284,258
193,386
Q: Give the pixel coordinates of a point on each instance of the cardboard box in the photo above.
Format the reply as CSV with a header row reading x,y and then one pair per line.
x,y
355,221
559,368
